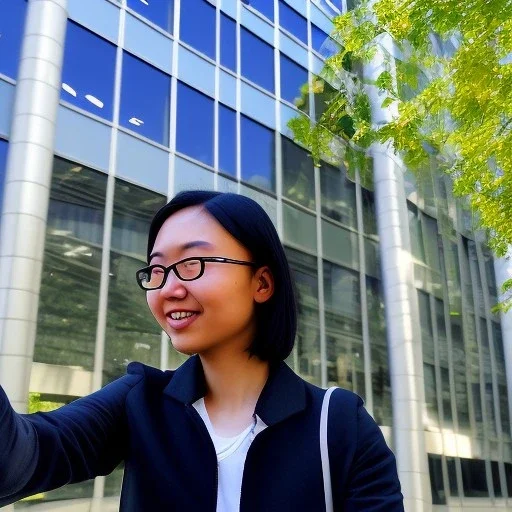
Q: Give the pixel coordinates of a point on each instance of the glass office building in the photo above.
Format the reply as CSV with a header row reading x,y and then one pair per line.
x,y
107,108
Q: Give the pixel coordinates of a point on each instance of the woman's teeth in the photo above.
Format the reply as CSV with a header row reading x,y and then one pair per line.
x,y
178,315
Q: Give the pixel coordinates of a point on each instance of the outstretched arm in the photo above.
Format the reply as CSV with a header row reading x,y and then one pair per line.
x,y
43,451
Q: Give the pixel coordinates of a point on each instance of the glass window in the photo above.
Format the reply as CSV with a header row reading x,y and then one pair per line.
x,y
298,174
459,371
68,303
293,78
145,99
194,126
197,26
293,22
161,13
322,43
257,60
474,478
436,479
227,140
132,332
417,248
266,7
299,228
3,163
305,357
343,328
12,23
88,71
258,154
495,471
338,195
369,215
227,42
452,476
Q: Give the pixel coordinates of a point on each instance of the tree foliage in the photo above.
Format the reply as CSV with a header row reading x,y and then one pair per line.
x,y
448,80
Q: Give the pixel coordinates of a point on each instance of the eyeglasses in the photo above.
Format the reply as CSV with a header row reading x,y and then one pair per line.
x,y
189,269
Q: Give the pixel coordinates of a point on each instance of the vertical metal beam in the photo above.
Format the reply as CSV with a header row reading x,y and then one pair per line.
x,y
27,191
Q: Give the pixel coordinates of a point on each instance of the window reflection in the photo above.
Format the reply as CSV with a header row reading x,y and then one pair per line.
x,y
306,354
322,43
298,174
293,22
161,12
258,154
68,303
145,98
474,478
436,479
12,23
343,328
338,195
227,42
381,384
3,163
132,333
265,7
293,79
88,71
194,127
227,140
257,60
197,26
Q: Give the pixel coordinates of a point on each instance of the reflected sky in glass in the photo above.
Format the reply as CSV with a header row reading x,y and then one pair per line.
x,y
194,128
257,60
197,26
227,42
3,162
12,20
293,22
258,156
227,140
265,7
293,77
88,71
160,12
322,43
145,98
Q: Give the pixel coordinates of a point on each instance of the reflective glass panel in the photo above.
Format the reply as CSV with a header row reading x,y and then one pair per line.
x,y
194,127
3,163
227,42
257,60
343,328
436,479
160,12
88,71
227,140
145,98
338,195
369,215
322,43
12,22
293,22
305,357
452,476
132,332
258,154
197,26
474,478
68,303
266,7
293,79
298,174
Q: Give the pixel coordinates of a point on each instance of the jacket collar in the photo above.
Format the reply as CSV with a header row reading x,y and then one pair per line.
x,y
283,395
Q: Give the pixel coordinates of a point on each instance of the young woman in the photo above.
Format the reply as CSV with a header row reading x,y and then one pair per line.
x,y
233,428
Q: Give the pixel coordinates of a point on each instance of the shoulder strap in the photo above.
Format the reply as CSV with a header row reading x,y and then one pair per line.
x,y
324,450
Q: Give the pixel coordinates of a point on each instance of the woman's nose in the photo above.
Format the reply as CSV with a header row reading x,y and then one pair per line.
x,y
173,287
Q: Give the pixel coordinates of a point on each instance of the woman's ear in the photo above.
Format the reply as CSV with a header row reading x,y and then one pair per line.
x,y
264,285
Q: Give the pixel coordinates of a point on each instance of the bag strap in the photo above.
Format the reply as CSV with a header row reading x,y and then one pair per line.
x,y
324,450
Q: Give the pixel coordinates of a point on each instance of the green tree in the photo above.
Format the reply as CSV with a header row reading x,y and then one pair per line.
x,y
447,78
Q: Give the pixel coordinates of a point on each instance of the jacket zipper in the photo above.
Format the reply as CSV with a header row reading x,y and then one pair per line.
x,y
253,437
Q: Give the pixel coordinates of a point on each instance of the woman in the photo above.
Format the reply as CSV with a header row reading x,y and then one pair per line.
x,y
233,428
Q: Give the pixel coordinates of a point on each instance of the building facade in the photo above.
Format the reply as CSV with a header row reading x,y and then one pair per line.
x,y
107,108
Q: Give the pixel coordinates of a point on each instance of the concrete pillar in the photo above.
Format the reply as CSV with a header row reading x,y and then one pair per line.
x,y
503,272
27,191
402,315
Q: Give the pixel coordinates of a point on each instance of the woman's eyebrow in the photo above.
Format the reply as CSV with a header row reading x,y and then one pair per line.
x,y
184,247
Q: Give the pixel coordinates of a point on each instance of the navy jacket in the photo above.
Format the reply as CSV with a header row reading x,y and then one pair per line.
x,y
146,419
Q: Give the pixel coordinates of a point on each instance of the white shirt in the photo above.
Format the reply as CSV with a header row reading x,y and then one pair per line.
x,y
231,453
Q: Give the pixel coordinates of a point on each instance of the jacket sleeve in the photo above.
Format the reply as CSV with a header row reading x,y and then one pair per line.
x,y
81,440
373,484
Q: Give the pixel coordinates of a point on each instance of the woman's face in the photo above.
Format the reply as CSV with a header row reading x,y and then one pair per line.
x,y
221,303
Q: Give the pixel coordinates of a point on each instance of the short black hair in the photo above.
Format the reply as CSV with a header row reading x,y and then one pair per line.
x,y
248,222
